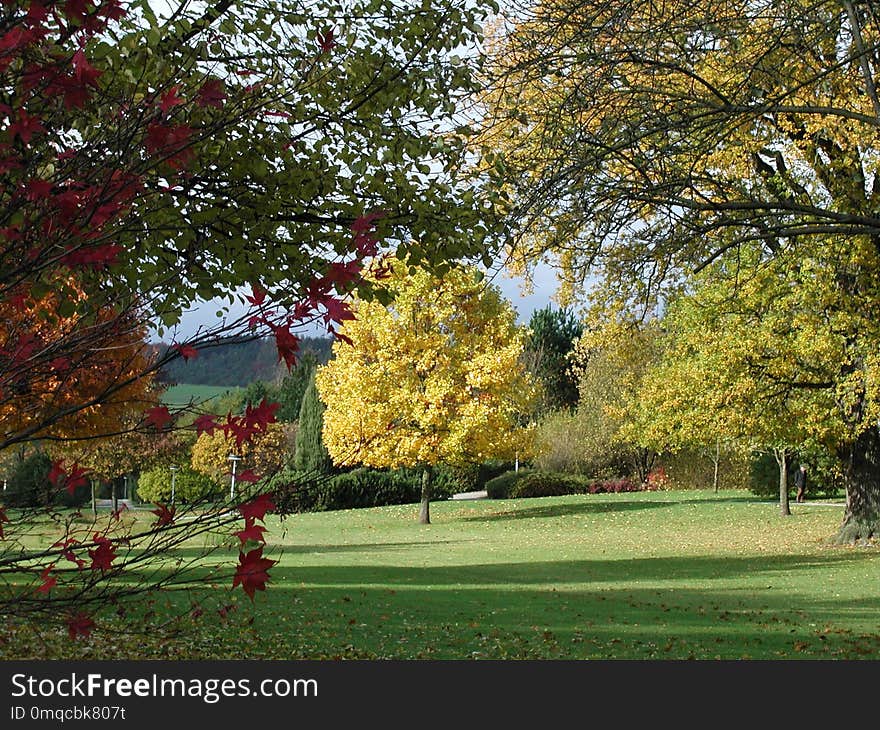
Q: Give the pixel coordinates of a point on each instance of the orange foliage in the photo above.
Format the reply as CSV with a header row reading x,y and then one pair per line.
x,y
67,371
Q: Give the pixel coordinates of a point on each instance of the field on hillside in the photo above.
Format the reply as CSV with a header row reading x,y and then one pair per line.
x,y
183,393
651,575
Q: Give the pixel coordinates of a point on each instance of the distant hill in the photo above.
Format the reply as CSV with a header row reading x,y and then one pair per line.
x,y
238,364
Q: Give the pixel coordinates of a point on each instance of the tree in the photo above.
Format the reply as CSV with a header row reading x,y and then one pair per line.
x,y
265,453
436,377
649,142
240,150
310,455
610,360
735,371
553,334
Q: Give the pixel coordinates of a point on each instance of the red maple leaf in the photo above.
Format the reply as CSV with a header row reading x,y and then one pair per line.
x,y
251,573
170,99
206,423
187,352
258,295
262,415
164,514
287,344
337,310
3,518
340,336
48,582
83,71
326,42
103,555
251,533
25,127
257,508
96,257
117,513
76,477
57,473
248,476
365,223
160,417
79,625
212,94
37,189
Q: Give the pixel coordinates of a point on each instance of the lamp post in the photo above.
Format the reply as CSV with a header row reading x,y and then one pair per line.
x,y
234,459
174,469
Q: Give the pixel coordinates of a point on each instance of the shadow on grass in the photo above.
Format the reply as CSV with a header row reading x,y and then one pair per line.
x,y
563,572
565,510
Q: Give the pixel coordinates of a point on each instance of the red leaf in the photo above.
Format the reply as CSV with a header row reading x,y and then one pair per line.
x,y
248,476
325,41
287,344
160,417
48,582
365,223
76,477
337,310
164,514
96,257
3,518
79,625
257,508
187,352
262,415
252,532
103,555
170,99
258,295
211,94
83,71
25,127
252,573
340,336
206,423
117,513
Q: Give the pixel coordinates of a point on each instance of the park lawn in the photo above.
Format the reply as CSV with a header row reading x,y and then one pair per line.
x,y
651,575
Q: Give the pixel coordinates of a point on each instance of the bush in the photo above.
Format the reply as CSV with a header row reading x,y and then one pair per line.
x,y
501,486
305,492
528,483
28,485
189,486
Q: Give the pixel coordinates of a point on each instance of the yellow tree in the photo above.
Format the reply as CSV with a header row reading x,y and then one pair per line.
x,y
435,377
265,453
644,141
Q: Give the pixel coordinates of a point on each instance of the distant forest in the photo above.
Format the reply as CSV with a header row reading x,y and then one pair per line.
x,y
239,364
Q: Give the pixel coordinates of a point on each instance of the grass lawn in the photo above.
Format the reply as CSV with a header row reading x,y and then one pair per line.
x,y
183,393
658,575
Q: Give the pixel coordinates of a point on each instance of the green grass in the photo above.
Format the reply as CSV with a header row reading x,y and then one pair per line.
x,y
183,393
658,575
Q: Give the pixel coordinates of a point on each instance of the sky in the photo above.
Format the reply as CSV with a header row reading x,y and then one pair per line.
x,y
545,285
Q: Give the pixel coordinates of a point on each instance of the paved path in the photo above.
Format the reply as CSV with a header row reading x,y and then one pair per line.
x,y
471,495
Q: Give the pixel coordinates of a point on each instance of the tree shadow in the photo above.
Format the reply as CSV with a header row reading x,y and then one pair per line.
x,y
566,510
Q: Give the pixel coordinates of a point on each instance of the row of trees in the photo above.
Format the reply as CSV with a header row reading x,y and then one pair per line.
x,y
716,161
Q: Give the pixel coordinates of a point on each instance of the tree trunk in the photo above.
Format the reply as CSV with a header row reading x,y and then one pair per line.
x,y
782,460
113,500
425,509
861,461
715,461
94,499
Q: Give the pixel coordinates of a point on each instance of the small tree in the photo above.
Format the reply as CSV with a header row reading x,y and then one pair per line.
x,y
436,377
310,455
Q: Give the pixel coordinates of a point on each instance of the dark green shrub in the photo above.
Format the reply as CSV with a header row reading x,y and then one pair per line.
x,y
306,492
29,486
548,484
310,454
500,487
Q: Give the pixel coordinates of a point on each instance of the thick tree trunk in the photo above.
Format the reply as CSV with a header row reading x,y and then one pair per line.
x,y
782,460
425,509
861,459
